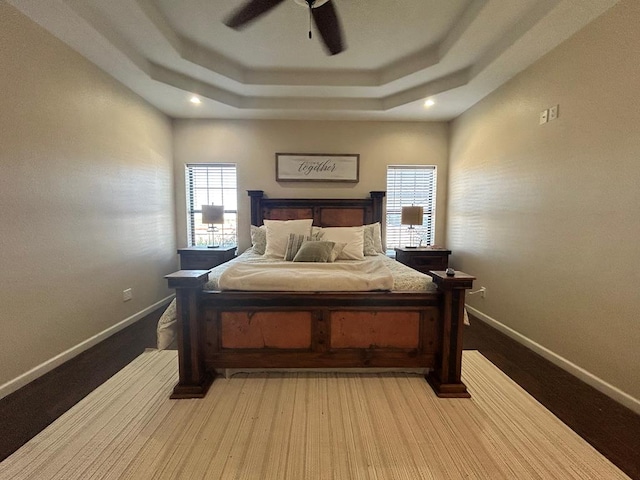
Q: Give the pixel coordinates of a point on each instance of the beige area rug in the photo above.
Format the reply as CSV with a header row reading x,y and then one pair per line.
x,y
303,426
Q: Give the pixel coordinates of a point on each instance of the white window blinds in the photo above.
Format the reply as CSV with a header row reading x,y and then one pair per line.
x,y
410,185
211,184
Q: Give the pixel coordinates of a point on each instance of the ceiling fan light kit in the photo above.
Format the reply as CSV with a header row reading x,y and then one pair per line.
x,y
323,13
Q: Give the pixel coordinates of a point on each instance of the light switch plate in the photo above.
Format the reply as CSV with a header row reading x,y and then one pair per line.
x,y
553,112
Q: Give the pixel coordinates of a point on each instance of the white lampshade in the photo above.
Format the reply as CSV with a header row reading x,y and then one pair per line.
x,y
213,214
411,215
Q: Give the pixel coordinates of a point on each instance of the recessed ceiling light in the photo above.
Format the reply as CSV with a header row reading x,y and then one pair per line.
x,y
429,103
195,100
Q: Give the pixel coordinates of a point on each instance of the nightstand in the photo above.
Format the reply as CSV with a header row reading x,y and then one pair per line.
x,y
424,259
204,258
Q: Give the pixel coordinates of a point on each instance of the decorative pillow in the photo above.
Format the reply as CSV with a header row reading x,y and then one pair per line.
x,y
314,251
259,239
278,234
293,245
377,238
337,250
373,239
352,236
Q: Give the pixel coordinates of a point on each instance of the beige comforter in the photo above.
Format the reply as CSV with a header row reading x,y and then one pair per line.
x,y
353,276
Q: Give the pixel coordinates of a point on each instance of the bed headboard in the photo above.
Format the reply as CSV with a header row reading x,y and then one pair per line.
x,y
326,212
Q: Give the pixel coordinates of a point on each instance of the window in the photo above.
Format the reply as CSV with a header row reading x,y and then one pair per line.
x,y
211,184
410,185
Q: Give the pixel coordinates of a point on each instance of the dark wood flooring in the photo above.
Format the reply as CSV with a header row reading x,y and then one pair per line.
x,y
27,411
611,428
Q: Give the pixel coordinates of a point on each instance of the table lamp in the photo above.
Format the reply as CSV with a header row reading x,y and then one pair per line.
x,y
213,215
411,215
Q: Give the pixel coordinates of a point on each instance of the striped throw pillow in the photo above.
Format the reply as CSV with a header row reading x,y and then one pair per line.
x,y
293,245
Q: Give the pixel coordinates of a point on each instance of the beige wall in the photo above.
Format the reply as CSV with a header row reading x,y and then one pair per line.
x,y
548,217
252,146
86,202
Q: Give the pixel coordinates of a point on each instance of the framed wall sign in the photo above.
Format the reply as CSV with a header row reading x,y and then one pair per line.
x,y
317,167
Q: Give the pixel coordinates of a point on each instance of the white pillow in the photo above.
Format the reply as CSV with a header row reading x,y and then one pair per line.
x,y
278,234
352,236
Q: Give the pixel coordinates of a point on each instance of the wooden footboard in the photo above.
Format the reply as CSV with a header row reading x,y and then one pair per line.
x,y
232,329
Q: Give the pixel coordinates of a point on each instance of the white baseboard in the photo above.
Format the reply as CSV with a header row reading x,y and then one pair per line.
x,y
19,382
577,371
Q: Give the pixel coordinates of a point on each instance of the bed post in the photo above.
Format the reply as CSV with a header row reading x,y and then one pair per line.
x,y
194,380
445,378
256,206
378,198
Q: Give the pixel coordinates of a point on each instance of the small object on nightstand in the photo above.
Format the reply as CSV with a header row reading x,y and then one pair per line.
x,y
450,272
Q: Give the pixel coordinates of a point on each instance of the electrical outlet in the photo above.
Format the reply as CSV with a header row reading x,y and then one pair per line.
x,y
127,294
483,292
544,116
553,112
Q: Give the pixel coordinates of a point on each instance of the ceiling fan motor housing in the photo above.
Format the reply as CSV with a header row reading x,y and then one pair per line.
x,y
311,3
325,19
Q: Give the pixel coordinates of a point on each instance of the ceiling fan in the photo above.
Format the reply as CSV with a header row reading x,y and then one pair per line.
x,y
322,11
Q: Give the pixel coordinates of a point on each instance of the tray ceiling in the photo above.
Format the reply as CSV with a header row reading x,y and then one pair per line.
x,y
399,53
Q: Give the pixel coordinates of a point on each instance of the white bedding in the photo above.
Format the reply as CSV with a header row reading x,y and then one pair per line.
x,y
349,276
402,278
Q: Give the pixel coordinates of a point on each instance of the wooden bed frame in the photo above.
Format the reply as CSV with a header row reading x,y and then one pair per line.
x,y
248,329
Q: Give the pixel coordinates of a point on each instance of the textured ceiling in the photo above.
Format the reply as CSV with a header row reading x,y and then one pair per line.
x,y
399,52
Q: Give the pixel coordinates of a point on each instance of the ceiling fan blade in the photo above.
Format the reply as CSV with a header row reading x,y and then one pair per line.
x,y
249,12
329,26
